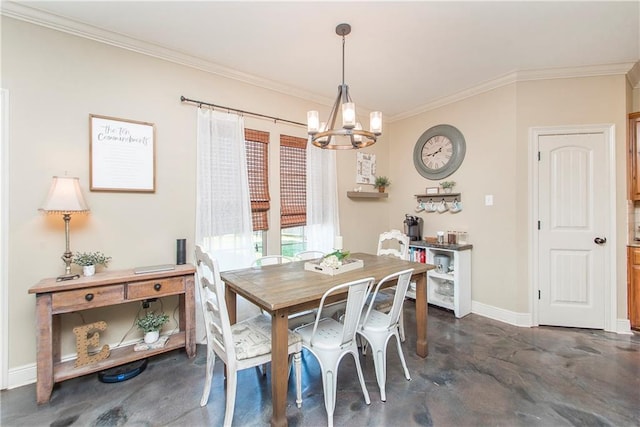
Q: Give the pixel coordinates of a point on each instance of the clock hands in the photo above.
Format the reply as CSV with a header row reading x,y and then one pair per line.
x,y
434,153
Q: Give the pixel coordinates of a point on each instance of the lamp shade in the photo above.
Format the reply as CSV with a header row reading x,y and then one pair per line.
x,y
65,196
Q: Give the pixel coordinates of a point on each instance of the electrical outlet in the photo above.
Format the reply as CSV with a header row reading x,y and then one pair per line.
x,y
146,302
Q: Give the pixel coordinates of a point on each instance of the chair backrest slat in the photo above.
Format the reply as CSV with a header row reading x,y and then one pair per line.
x,y
357,293
214,306
399,242
401,286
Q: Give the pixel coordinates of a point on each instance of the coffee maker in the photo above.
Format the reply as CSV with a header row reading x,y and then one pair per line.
x,y
413,227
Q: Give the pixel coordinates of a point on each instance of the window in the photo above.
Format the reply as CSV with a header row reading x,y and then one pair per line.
x,y
293,194
257,145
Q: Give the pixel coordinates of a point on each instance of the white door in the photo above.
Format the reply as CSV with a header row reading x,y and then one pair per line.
x,y
573,214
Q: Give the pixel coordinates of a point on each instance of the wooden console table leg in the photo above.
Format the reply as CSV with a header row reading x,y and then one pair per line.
x,y
45,347
188,320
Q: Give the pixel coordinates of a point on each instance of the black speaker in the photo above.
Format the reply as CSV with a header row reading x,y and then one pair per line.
x,y
181,251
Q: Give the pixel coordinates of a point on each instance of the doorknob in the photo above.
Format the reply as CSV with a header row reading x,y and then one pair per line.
x,y
600,240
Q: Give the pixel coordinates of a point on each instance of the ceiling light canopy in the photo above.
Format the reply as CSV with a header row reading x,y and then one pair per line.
x,y
350,135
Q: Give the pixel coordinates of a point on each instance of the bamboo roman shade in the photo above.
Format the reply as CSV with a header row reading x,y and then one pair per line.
x,y
257,145
293,181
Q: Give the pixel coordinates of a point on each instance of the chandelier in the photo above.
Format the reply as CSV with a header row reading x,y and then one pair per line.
x,y
350,135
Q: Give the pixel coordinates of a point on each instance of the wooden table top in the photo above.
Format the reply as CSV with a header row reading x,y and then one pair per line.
x,y
289,285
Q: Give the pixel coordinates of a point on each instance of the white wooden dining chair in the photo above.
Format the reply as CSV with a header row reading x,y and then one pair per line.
x,y
378,327
329,340
246,344
391,243
394,243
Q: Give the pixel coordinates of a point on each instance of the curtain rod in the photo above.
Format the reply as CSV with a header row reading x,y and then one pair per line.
x,y
208,104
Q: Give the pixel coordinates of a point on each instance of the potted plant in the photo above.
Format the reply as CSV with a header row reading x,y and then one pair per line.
x,y
89,260
151,324
381,183
447,186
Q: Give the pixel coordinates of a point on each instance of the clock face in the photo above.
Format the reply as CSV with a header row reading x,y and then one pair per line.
x,y
439,152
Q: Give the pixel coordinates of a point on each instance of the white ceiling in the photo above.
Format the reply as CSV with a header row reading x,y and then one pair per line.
x,y
401,57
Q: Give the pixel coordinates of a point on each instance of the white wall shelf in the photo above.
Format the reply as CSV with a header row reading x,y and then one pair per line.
x,y
366,195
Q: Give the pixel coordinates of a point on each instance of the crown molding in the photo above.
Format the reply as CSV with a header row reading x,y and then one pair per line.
x,y
634,76
38,17
24,13
626,68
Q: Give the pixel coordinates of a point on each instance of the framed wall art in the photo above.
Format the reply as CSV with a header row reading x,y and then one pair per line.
x,y
365,168
122,155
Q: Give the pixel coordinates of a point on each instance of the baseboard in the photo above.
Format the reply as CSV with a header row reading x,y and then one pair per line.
x,y
623,326
17,377
523,320
27,374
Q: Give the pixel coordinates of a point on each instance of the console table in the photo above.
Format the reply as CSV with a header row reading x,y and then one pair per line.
x,y
106,289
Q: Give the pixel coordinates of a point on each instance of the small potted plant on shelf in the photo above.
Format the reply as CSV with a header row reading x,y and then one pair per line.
x,y
89,260
151,324
381,183
447,186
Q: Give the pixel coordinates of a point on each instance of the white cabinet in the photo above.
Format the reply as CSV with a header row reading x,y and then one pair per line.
x,y
449,288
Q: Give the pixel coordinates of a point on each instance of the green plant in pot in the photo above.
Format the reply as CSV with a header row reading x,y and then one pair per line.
x,y
151,324
89,260
447,186
381,183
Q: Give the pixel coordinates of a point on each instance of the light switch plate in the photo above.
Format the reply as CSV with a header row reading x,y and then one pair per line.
x,y
488,200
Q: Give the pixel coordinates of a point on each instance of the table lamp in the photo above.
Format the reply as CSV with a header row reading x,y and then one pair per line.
x,y
65,197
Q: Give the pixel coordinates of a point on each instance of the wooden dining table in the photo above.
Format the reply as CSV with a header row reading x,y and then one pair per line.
x,y
284,289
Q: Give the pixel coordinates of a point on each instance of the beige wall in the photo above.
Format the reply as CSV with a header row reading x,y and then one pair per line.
x,y
487,122
56,80
496,128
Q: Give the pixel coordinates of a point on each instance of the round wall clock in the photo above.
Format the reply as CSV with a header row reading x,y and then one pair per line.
x,y
439,152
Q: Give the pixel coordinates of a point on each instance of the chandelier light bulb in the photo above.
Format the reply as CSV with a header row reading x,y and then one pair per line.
x,y
348,115
375,122
356,137
313,122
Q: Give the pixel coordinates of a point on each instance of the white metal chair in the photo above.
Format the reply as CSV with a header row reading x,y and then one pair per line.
x,y
378,327
329,340
271,260
391,243
240,346
307,255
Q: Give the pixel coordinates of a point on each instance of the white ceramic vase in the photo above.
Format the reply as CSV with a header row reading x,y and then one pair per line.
x,y
88,270
151,337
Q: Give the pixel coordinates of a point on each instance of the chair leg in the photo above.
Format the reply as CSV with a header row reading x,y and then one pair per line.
x,y
404,363
297,360
232,383
354,353
401,325
211,361
329,383
380,364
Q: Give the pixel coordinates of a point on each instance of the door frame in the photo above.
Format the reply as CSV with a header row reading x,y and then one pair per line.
x,y
4,243
610,285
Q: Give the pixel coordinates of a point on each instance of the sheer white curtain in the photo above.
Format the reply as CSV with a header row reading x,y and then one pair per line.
x,y
223,207
323,223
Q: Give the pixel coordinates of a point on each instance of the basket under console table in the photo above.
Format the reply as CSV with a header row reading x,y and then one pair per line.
x,y
106,289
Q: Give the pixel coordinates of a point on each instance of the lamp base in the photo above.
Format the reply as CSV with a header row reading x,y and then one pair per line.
x,y
67,277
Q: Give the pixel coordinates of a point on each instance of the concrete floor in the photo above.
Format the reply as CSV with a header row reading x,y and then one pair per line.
x,y
478,372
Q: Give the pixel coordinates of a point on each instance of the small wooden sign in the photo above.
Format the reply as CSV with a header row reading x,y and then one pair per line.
x,y
83,341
